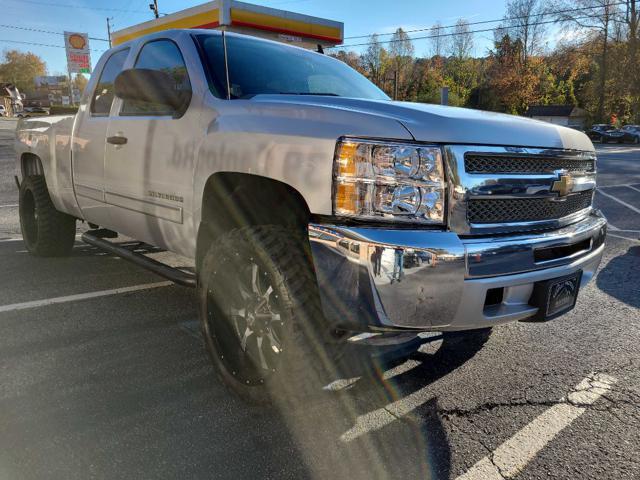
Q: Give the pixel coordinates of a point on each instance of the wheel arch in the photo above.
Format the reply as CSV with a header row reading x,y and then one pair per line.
x,y
30,164
232,200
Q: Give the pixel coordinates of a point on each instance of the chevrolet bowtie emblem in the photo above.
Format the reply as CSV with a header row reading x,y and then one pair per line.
x,y
563,185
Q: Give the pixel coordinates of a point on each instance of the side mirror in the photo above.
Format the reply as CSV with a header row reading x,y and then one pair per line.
x,y
151,86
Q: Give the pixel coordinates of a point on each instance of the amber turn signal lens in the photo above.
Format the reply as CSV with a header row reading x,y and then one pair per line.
x,y
346,198
347,159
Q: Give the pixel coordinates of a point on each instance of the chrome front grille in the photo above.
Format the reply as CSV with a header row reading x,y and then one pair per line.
x,y
514,189
527,209
477,163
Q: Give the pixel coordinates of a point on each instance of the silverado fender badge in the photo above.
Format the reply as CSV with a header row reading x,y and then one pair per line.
x,y
166,196
563,185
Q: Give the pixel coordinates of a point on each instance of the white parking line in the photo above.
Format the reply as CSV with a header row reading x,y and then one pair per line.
x,y
8,206
81,296
512,456
633,188
621,202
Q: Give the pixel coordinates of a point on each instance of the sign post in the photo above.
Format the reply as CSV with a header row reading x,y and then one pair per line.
x,y
78,55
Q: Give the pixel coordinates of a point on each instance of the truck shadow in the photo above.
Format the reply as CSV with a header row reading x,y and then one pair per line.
x,y
120,380
388,422
621,276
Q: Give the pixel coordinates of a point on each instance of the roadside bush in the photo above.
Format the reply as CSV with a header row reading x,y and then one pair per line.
x,y
63,110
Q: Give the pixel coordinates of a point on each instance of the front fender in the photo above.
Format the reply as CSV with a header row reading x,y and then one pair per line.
x,y
291,144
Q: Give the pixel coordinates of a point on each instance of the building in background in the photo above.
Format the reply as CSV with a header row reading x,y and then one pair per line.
x,y
52,90
229,15
565,115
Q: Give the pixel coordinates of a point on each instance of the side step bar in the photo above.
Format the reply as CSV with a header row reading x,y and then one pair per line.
x,y
175,275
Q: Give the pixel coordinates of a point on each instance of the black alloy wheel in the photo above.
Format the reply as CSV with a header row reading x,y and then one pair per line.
x,y
261,316
246,317
46,231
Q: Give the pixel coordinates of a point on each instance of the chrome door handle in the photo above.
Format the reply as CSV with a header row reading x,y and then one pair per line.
x,y
117,140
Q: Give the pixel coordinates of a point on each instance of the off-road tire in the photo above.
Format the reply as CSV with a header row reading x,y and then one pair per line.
x,y
308,358
46,231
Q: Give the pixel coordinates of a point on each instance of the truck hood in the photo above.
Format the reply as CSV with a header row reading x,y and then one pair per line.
x,y
440,124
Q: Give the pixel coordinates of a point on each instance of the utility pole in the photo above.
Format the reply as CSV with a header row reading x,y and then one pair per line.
x,y
71,102
154,6
444,96
395,84
109,30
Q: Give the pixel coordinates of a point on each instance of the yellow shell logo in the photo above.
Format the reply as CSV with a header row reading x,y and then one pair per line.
x,y
77,41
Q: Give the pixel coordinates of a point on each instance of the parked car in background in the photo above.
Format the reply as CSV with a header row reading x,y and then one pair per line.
x,y
32,112
605,133
3,111
631,134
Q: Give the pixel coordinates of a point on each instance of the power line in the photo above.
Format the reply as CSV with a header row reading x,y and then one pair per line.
x,y
482,22
29,29
43,44
453,34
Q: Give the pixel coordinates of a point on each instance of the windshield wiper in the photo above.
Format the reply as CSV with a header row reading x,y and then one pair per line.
x,y
327,94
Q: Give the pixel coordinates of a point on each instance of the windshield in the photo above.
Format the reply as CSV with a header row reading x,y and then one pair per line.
x,y
260,67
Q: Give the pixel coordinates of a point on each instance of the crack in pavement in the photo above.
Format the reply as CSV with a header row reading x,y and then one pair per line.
x,y
510,457
480,441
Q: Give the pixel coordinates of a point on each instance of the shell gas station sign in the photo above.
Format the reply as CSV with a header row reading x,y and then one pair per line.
x,y
229,15
78,53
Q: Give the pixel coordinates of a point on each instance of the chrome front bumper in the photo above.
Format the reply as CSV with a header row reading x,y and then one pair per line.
x,y
379,279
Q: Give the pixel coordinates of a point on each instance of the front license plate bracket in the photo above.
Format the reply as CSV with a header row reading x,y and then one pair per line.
x,y
555,297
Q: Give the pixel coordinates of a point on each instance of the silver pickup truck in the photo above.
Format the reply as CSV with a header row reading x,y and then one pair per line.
x,y
320,215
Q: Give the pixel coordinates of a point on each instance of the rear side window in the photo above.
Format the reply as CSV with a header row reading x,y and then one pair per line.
x,y
162,55
103,94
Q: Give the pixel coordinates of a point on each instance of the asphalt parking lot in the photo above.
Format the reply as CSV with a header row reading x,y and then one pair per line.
x,y
103,375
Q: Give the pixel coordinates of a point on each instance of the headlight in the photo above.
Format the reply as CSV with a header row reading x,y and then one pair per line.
x,y
377,180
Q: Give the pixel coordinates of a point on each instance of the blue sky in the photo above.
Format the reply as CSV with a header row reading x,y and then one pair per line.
x,y
359,16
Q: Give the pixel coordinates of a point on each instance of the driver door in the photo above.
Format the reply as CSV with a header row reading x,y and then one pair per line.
x,y
89,142
149,156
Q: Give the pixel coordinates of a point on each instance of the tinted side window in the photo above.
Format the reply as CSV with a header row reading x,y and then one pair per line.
x,y
103,94
164,56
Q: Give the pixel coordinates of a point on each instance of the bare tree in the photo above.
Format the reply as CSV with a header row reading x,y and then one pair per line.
x,y
522,23
375,59
461,43
401,54
594,16
438,41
